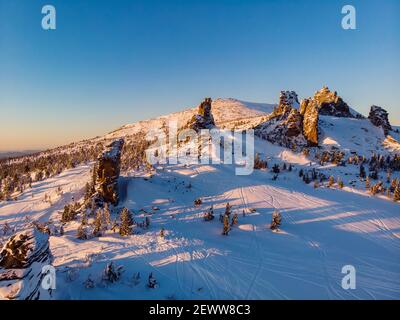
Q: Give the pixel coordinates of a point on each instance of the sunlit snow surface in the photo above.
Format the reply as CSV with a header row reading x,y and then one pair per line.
x,y
322,230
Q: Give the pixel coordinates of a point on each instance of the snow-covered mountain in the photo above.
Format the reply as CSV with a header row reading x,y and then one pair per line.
x,y
312,153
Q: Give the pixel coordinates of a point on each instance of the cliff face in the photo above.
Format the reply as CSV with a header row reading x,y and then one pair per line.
x,y
310,112
108,170
21,262
380,118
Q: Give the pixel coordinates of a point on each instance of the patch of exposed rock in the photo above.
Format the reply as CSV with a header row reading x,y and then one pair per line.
x,y
108,170
330,104
287,100
203,119
380,118
21,261
285,125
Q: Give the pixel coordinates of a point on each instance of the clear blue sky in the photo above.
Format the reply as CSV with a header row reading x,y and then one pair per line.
x,y
114,62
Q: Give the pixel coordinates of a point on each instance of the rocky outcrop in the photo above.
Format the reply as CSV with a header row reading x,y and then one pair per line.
x,y
108,170
21,261
310,112
203,119
330,104
287,100
380,118
285,125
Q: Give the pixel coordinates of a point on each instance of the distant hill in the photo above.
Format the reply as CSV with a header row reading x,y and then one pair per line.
x,y
12,154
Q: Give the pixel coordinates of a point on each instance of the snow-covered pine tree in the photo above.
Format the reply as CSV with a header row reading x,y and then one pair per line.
x,y
125,227
340,183
114,225
367,183
98,223
396,194
276,220
152,282
111,273
209,215
228,209
84,220
146,223
226,228
106,215
81,233
89,283
331,181
136,278
362,172
235,219
68,214
88,191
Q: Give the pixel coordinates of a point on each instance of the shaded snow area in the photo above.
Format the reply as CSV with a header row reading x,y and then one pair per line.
x,y
322,230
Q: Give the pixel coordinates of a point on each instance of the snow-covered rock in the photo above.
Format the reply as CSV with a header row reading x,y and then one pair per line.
x,y
380,118
21,262
330,104
203,119
108,170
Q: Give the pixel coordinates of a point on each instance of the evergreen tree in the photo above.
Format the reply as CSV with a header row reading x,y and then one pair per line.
x,y
275,168
98,223
111,273
88,191
152,282
226,228
209,215
146,222
228,209
367,183
125,228
276,220
68,214
106,215
235,219
340,183
84,220
362,172
331,181
396,195
81,233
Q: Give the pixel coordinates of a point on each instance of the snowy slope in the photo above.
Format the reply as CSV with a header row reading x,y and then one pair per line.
x,y
322,231
357,135
224,110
